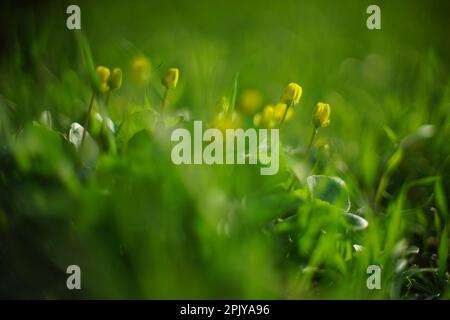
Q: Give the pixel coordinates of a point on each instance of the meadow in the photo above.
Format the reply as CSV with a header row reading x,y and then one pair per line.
x,y
364,164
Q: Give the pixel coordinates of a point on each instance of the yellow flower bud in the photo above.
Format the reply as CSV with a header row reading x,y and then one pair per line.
x,y
140,70
170,79
321,115
267,118
224,121
103,75
279,111
250,101
115,80
291,94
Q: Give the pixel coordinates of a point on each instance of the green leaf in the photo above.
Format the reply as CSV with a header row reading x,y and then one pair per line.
x,y
329,189
395,160
443,253
89,151
441,201
46,152
234,93
355,222
173,120
88,61
412,250
138,120
391,134
422,133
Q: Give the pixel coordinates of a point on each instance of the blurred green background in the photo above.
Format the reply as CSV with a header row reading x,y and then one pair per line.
x,y
140,227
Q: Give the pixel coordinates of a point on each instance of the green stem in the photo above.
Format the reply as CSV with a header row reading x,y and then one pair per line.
x,y
313,137
86,119
102,127
285,114
127,129
107,98
164,101
105,110
316,163
292,183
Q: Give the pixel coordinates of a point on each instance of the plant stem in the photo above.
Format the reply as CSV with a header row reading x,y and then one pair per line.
x,y
284,115
164,101
86,119
313,136
105,110
316,163
107,98
102,126
293,181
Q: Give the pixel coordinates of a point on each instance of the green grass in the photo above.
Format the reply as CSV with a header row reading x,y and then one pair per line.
x,y
141,227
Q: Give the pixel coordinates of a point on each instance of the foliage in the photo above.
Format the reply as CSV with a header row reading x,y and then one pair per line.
x,y
372,187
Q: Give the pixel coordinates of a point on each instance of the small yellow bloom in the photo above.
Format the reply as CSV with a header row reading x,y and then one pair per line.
x,y
140,70
291,94
321,115
170,79
267,117
224,121
115,80
103,75
250,101
279,111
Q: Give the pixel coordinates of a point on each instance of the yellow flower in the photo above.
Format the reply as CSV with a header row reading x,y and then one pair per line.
x,y
115,80
279,111
103,75
265,118
291,94
224,121
170,79
140,70
250,101
321,115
